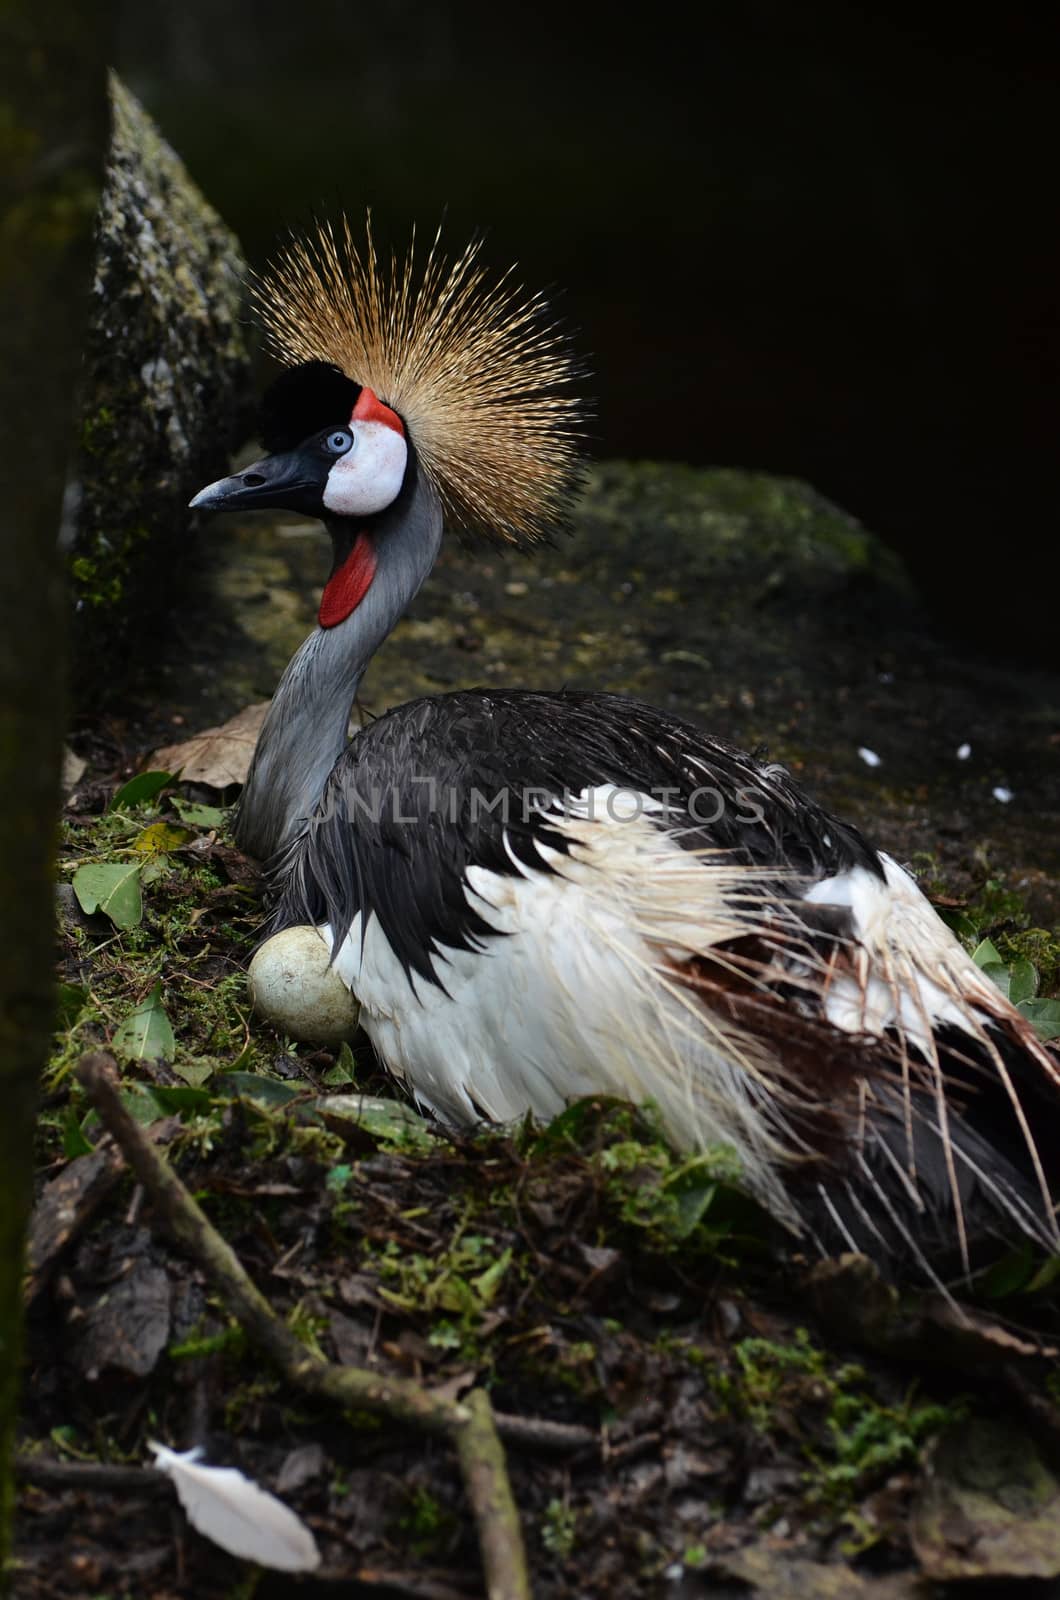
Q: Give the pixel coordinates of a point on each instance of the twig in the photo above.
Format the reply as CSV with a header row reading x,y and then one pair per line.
x,y
538,1433
468,1424
94,1477
350,1386
485,1472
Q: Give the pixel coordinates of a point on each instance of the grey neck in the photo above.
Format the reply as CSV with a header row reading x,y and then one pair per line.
x,y
305,730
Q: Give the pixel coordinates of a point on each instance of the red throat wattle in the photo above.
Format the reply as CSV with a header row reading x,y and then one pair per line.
x,y
348,584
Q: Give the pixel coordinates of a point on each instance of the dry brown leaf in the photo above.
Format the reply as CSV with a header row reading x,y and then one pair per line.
x,y
65,1206
217,756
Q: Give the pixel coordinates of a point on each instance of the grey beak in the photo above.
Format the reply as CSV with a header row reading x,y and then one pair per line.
x,y
292,480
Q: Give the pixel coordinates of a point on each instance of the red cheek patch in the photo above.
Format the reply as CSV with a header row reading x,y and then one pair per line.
x,y
347,587
371,409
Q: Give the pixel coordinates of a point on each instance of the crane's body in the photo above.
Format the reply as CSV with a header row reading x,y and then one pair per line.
x,y
536,896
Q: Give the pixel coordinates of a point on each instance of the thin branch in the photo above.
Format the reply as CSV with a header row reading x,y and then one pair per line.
x,y
400,1398
93,1477
469,1424
485,1472
538,1433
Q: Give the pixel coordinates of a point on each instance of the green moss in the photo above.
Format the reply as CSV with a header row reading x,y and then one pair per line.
x,y
187,906
1039,946
849,1437
96,430
559,1528
454,1286
428,1526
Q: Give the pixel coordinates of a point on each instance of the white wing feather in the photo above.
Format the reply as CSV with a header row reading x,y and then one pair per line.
x,y
236,1514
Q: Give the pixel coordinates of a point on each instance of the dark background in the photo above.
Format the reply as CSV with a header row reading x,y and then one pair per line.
x,y
810,238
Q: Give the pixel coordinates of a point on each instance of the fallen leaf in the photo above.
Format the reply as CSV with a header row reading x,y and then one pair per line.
x,y
112,887
1044,1017
128,1327
159,837
65,1206
217,756
199,816
143,787
146,1034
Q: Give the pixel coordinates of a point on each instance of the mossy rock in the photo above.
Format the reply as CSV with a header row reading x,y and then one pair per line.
x,y
166,386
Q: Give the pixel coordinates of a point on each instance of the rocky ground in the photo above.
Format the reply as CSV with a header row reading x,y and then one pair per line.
x,y
735,1429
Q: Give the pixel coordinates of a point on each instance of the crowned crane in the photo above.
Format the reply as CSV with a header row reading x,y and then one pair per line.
x,y
536,896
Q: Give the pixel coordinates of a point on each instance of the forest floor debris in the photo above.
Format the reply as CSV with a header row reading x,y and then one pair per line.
x,y
679,1408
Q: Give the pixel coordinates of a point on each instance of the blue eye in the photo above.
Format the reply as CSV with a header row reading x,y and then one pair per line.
x,y
339,442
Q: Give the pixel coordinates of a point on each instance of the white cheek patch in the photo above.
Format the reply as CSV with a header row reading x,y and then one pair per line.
x,y
369,477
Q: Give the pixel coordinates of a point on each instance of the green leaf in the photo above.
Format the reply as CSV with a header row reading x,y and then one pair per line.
x,y
195,1073
155,867
1023,981
1044,1017
63,1438
1046,1275
70,1001
252,1086
573,1127
1009,1275
998,974
987,954
176,1098
143,787
342,1071
198,816
389,1121
140,1103
487,1283
112,887
146,1035
74,1140
692,1207
960,923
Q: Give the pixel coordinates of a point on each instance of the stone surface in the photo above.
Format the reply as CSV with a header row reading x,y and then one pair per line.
x,y
988,1506
166,384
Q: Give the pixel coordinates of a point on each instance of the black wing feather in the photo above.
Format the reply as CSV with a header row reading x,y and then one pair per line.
x,y
441,783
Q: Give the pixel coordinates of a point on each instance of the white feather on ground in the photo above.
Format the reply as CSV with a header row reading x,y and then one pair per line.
x,y
244,1519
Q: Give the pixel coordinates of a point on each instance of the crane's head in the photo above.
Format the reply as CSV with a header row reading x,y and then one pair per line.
x,y
335,451
417,354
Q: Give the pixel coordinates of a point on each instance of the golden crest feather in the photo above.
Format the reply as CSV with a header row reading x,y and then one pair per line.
x,y
473,364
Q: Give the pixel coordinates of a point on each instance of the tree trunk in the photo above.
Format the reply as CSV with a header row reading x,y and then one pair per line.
x,y
53,130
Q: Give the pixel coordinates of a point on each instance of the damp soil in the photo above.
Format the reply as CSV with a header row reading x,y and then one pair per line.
x,y
736,1430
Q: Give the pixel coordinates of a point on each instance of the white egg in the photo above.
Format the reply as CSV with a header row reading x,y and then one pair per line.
x,y
293,987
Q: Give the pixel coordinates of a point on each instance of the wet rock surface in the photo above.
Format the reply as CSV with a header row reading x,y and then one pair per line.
x,y
165,385
745,602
